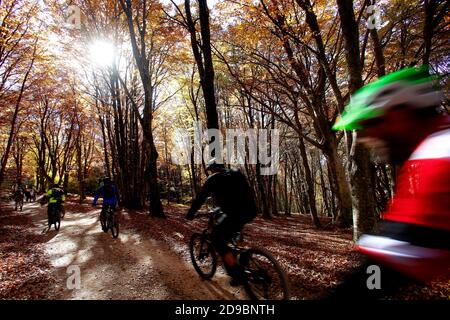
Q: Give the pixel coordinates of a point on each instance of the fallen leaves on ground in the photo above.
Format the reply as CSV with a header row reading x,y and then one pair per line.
x,y
314,260
24,271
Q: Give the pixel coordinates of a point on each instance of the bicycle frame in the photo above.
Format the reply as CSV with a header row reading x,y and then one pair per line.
x,y
232,244
109,221
254,273
110,212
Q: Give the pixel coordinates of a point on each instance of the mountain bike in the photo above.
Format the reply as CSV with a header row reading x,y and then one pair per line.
x,y
33,196
54,217
110,221
263,277
18,200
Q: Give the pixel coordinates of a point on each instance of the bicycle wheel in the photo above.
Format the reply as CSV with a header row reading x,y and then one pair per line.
x,y
57,219
114,224
103,221
265,278
49,221
63,212
203,256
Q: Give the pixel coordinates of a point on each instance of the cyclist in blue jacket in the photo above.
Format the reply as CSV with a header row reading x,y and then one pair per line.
x,y
107,191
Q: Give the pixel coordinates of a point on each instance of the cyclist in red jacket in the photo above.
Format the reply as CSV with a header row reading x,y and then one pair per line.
x,y
398,116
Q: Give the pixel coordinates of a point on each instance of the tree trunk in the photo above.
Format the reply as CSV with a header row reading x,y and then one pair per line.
x,y
361,186
80,173
205,65
142,63
429,8
309,185
12,131
378,51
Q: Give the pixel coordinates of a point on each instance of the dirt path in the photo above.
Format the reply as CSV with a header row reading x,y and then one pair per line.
x,y
129,267
150,258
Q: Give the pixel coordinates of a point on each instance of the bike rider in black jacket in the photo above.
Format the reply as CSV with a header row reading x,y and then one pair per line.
x,y
233,195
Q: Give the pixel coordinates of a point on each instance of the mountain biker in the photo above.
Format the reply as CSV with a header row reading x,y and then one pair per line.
x,y
32,194
18,195
236,207
56,196
107,191
28,193
398,116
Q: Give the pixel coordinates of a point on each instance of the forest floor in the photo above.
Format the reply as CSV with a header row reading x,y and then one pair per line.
x,y
150,259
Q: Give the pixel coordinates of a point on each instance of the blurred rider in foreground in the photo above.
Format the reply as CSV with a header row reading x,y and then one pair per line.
x,y
398,117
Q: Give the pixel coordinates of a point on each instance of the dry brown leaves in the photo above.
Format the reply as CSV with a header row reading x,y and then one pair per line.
x,y
24,272
315,260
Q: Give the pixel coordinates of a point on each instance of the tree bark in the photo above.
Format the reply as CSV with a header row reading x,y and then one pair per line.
x,y
12,131
360,175
151,171
203,59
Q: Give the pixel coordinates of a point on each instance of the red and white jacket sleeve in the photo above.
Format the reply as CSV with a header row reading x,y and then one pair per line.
x,y
423,188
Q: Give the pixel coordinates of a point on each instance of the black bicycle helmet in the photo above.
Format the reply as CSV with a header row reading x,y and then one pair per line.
x,y
213,165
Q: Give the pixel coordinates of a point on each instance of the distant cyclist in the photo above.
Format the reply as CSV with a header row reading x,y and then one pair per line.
x,y
18,196
236,207
29,193
33,194
398,116
56,197
107,191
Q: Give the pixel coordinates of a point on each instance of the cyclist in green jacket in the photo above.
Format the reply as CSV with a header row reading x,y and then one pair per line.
x,y
56,197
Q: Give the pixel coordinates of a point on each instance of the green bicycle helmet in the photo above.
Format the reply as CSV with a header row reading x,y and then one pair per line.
x,y
412,86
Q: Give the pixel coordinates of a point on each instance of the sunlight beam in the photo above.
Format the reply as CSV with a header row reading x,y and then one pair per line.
x,y
102,53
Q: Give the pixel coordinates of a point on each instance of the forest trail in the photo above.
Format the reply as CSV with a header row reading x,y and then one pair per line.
x,y
129,267
150,259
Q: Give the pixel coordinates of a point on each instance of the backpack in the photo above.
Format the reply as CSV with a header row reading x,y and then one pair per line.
x,y
239,182
108,191
57,193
